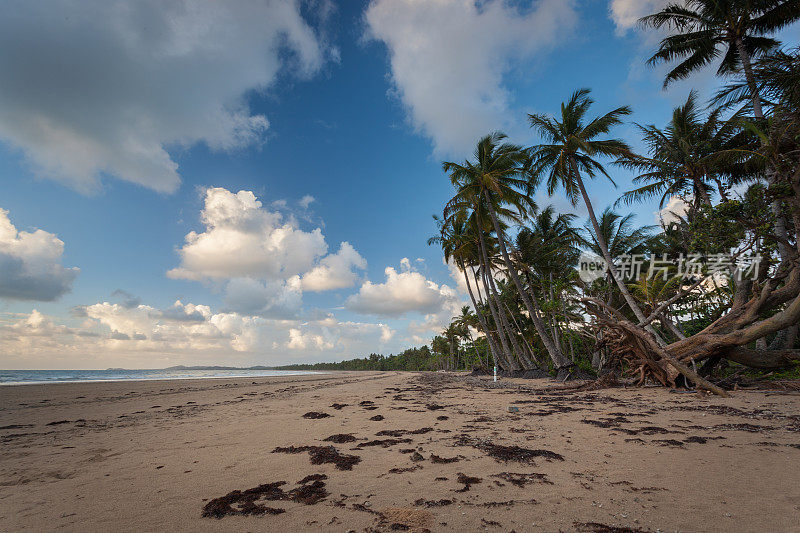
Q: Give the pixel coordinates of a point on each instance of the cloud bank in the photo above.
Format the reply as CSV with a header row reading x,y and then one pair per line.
x,y
111,334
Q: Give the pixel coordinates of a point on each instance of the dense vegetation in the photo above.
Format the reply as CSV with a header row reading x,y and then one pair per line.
x,y
411,359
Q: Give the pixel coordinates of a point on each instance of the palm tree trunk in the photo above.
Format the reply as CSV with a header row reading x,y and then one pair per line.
x,y
511,335
529,351
744,55
527,363
568,330
478,312
555,353
489,298
609,261
499,326
775,206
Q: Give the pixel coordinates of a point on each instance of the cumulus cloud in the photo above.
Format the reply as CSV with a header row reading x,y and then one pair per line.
x,y
402,292
30,264
243,239
448,58
335,271
264,259
105,87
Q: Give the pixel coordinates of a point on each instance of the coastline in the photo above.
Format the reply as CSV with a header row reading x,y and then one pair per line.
x,y
151,455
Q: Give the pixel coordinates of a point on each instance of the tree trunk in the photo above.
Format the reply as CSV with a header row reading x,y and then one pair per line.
x,y
478,312
744,55
489,298
775,206
555,353
609,261
527,363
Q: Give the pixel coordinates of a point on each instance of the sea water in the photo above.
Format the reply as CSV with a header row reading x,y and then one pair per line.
x,y
23,377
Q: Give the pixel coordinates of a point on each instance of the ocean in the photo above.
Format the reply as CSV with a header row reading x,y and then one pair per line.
x,y
24,377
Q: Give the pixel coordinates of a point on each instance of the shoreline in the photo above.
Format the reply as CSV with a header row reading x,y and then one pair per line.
x,y
386,451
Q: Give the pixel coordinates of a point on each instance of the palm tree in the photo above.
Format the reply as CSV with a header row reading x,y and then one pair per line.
x,y
686,156
493,180
572,151
704,29
467,319
458,243
620,234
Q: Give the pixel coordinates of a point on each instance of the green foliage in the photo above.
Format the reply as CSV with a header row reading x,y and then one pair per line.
x,y
411,359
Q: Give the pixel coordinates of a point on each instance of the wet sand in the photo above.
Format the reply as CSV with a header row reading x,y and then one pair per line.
x,y
394,452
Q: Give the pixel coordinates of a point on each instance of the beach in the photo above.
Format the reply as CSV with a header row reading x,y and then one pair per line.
x,y
388,451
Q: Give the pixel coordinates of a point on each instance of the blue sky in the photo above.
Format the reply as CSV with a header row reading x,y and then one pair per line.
x,y
118,135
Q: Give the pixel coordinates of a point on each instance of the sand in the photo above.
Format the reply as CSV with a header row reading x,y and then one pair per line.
x,y
432,451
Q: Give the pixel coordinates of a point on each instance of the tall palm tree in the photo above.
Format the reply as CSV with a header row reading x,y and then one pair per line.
x,y
496,179
572,153
705,29
689,156
459,244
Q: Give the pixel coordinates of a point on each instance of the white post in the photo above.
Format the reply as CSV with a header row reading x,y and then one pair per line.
x,y
495,372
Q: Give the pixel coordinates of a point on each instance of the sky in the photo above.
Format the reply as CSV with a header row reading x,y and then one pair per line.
x,y
252,182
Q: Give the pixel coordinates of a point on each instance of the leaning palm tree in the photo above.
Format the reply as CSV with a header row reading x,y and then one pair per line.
x,y
457,242
495,179
705,29
572,153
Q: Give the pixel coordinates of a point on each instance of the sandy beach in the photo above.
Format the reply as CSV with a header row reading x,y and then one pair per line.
x,y
415,452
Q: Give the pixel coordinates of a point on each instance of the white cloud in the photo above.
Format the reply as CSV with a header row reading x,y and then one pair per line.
x,y
263,259
106,87
457,275
402,292
448,58
30,264
335,271
626,13
306,201
242,239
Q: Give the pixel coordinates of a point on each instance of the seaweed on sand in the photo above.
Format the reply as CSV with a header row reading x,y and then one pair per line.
x,y
468,481
341,438
314,415
311,490
323,454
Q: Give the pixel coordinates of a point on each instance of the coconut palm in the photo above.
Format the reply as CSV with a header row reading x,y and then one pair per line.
x,y
572,153
464,321
495,179
620,234
705,29
458,244
690,156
